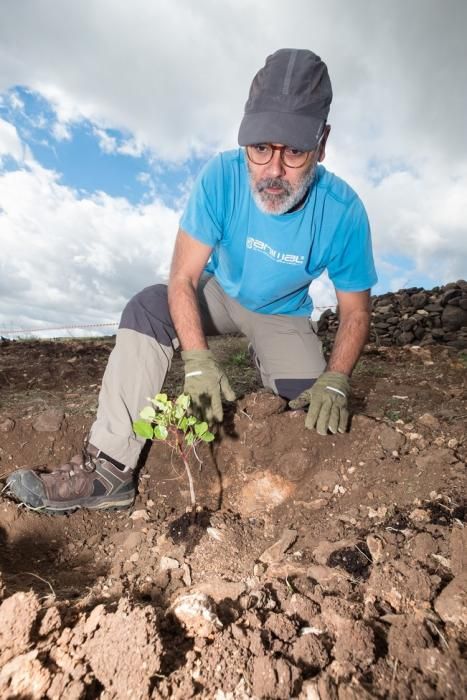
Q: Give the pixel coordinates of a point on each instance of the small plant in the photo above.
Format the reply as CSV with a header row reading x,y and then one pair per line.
x,y
170,422
240,359
392,415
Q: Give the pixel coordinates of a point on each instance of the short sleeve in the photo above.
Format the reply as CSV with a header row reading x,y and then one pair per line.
x,y
203,218
351,267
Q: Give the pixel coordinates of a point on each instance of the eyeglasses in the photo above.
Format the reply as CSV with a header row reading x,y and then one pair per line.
x,y
262,153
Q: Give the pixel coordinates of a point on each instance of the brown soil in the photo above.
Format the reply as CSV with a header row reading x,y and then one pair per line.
x,y
317,567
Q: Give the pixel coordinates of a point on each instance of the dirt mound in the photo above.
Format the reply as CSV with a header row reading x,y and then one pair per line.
x,y
317,567
117,651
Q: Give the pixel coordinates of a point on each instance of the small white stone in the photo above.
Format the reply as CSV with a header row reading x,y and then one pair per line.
x,y
168,563
215,533
139,515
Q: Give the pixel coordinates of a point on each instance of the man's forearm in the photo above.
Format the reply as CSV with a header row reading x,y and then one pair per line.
x,y
350,339
184,310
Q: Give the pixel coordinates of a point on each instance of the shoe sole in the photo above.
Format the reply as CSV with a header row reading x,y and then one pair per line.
x,y
108,506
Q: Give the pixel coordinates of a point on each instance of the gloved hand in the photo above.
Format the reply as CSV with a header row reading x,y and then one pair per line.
x,y
204,382
327,400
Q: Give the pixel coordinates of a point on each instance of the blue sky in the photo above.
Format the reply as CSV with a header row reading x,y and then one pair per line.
x,y
108,111
83,160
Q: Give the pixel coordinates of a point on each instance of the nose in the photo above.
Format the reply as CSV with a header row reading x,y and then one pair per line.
x,y
275,167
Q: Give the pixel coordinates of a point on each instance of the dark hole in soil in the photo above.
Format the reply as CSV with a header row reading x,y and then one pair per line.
x,y
444,514
355,561
189,528
399,521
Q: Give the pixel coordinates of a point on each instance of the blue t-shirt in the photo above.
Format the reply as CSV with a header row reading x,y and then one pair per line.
x,y
267,261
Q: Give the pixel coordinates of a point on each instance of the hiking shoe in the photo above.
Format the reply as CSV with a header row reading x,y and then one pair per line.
x,y
91,480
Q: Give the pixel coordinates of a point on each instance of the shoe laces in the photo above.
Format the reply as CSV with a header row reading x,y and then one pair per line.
x,y
88,461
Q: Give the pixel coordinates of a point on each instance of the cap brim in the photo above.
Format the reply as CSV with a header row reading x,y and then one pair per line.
x,y
296,130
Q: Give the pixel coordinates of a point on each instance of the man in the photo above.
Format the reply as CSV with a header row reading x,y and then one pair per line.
x,y
262,222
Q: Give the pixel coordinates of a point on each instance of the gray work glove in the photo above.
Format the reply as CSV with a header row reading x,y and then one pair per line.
x,y
327,400
204,382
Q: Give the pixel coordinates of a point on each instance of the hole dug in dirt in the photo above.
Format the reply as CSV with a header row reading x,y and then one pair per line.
x,y
354,560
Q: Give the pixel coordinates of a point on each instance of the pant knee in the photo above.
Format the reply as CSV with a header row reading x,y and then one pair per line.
x,y
148,313
291,388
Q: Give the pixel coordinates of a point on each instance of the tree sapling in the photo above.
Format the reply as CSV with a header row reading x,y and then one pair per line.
x,y
170,422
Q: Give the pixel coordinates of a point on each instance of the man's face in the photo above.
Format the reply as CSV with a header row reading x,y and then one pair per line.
x,y
277,188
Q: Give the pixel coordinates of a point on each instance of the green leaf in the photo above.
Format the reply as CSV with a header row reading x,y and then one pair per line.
x,y
160,432
143,429
183,401
201,428
183,424
148,413
162,402
189,438
192,420
179,412
207,436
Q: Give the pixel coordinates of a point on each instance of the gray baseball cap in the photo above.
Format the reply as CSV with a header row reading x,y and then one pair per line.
x,y
288,102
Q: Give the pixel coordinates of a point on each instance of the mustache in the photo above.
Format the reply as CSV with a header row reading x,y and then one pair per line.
x,y
274,182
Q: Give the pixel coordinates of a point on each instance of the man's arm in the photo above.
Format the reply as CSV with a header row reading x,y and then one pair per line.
x,y
188,261
205,380
354,324
327,398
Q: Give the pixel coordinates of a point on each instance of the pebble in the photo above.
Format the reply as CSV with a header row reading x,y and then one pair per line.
x,y
380,512
419,515
376,547
451,604
277,550
7,425
390,439
49,421
168,563
139,515
429,421
196,611
326,479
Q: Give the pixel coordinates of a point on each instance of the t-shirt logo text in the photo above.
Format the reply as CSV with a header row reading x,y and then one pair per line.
x,y
262,247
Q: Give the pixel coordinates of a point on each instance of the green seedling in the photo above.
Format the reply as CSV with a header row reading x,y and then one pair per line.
x,y
240,359
171,422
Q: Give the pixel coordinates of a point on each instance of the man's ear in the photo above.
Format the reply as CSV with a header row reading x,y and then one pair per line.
x,y
322,146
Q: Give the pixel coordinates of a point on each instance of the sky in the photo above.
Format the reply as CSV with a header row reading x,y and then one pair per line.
x,y
108,110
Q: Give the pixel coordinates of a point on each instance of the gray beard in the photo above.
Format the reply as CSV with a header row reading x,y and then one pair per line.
x,y
289,197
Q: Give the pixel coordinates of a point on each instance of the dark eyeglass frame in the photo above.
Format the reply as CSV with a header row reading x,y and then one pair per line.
x,y
275,148
281,149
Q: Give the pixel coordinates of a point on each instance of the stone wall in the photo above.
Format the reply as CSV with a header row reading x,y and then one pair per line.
x,y
414,316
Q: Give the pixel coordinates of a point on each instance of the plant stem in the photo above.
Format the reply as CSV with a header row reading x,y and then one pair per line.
x,y
188,473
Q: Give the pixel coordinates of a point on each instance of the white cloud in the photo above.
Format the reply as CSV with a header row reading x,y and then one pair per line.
x,y
61,131
16,102
10,143
107,143
68,260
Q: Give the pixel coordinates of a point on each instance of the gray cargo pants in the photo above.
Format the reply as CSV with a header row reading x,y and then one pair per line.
x,y
288,351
